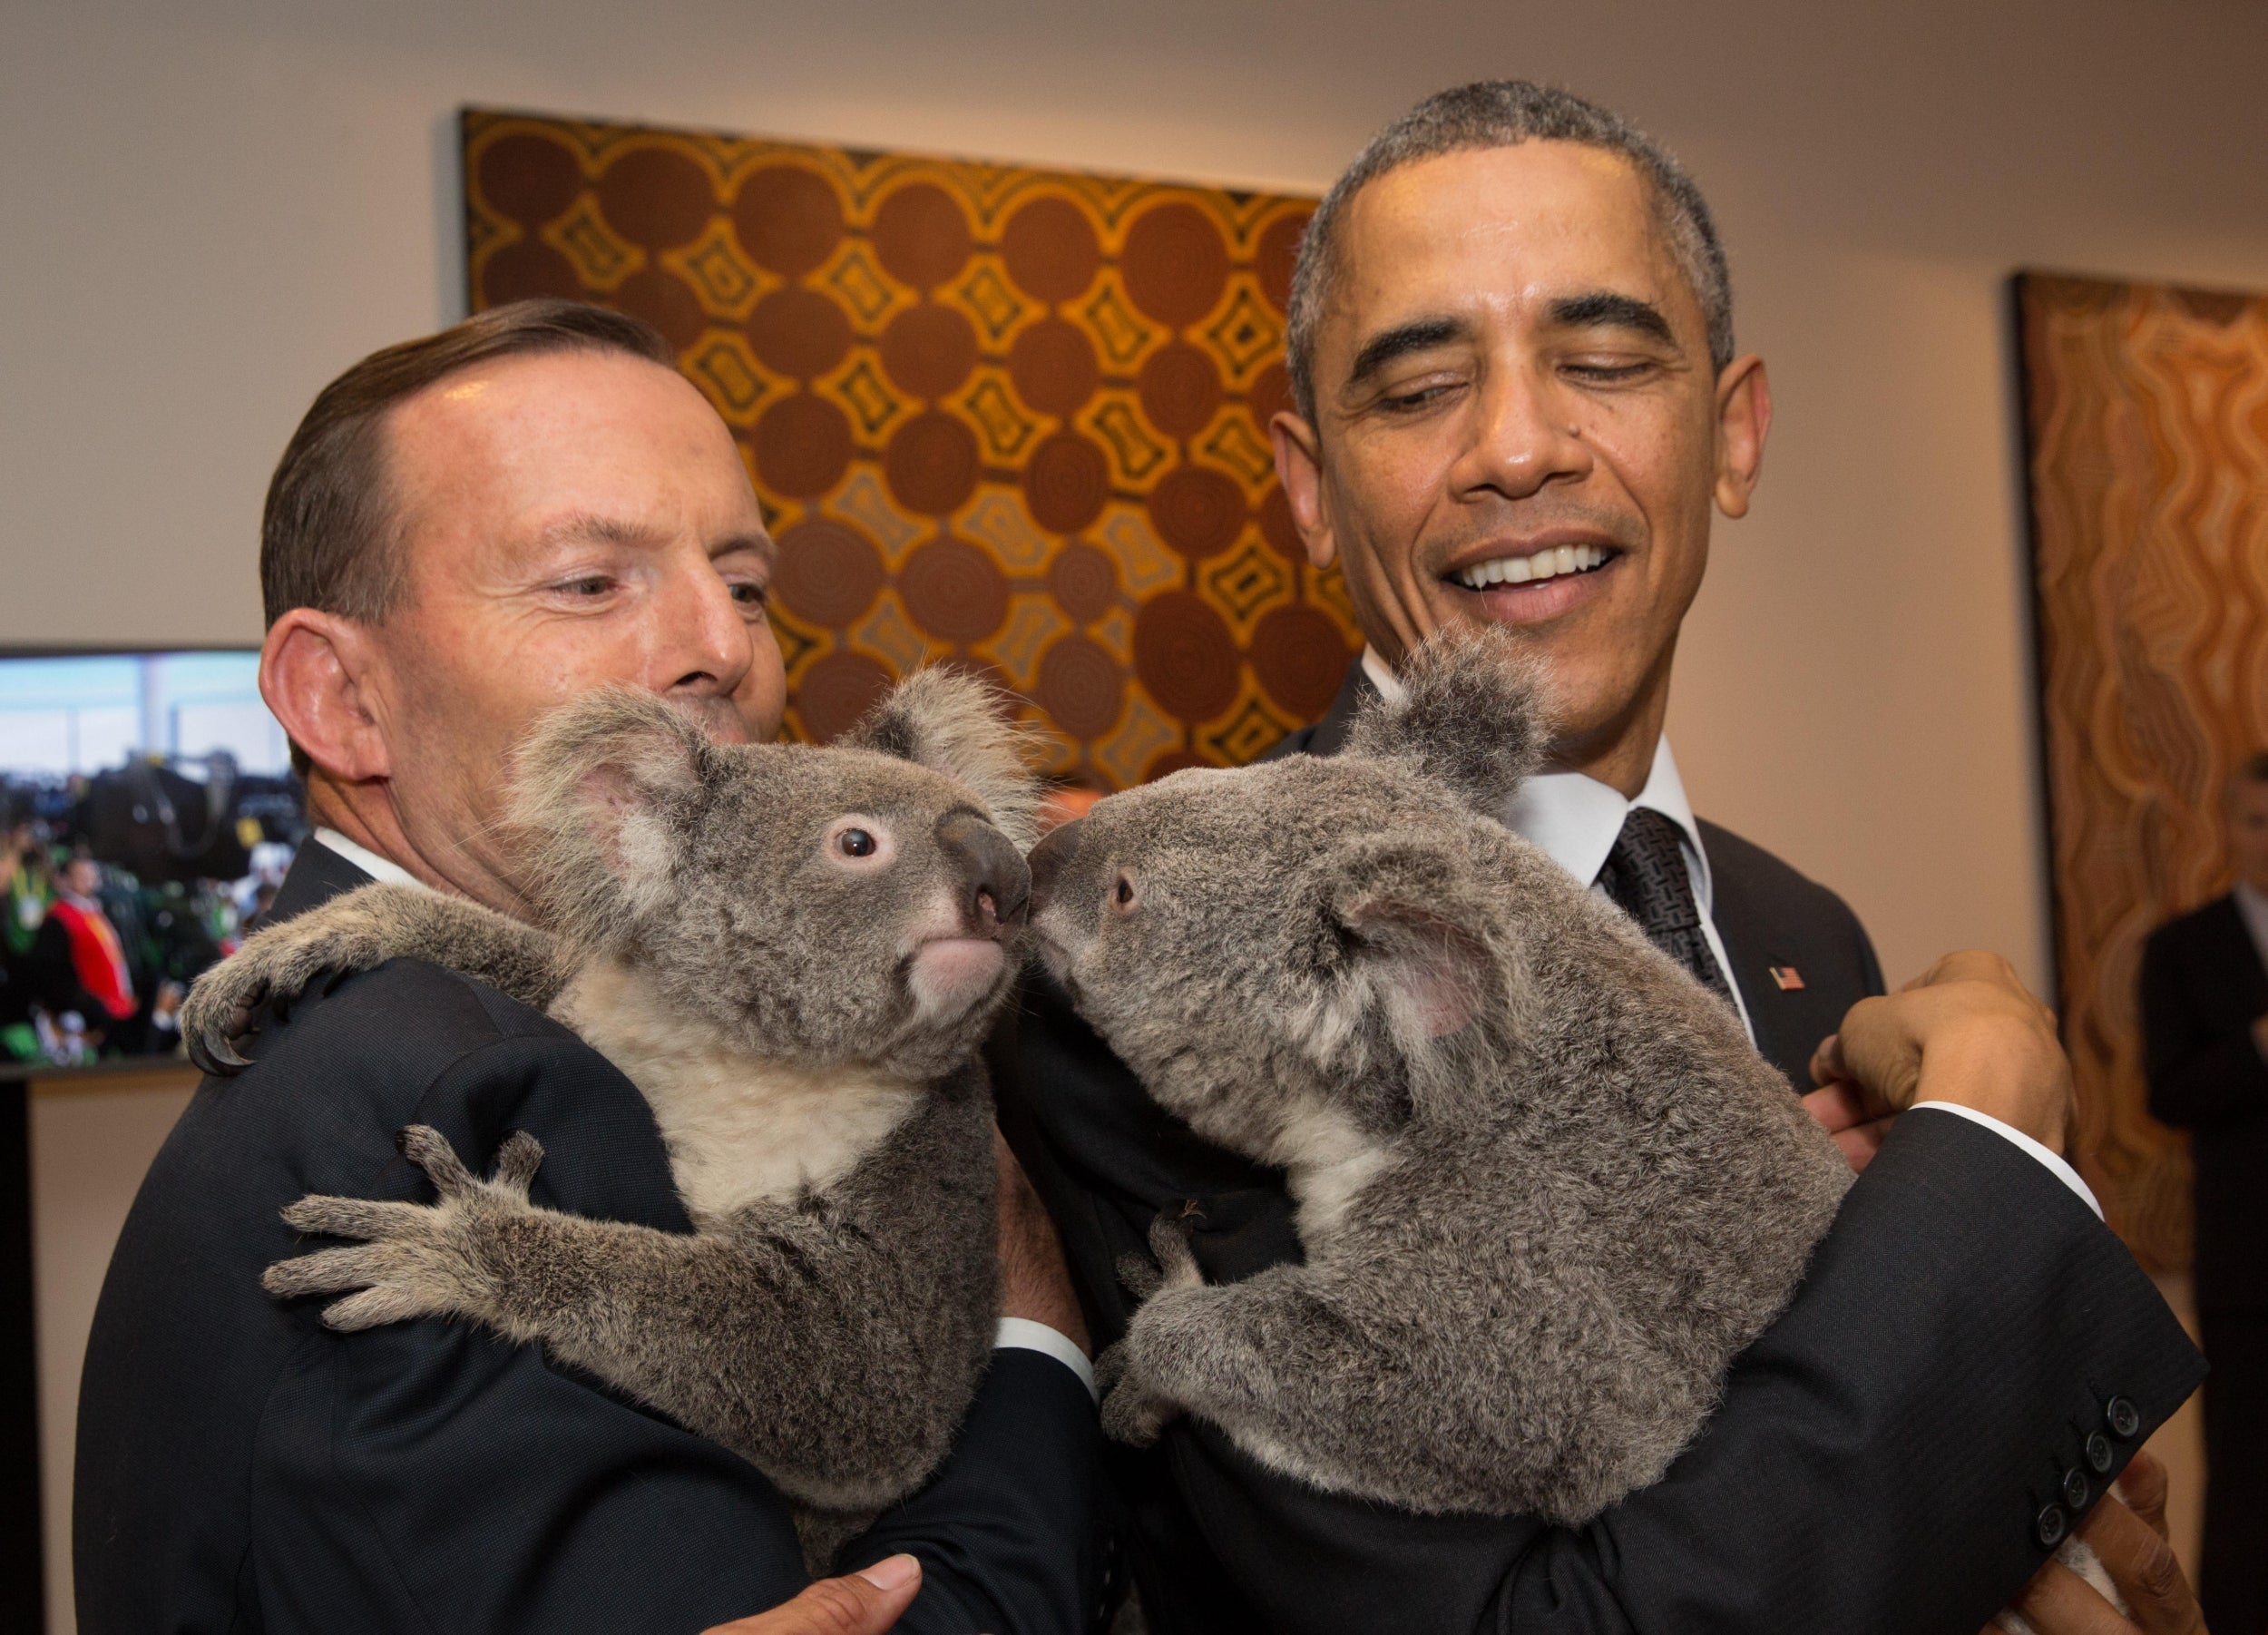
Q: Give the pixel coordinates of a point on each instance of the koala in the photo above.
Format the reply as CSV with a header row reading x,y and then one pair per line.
x,y
1546,1188
793,953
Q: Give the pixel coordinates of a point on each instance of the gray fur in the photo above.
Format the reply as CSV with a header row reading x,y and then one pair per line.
x,y
1546,1188
814,1075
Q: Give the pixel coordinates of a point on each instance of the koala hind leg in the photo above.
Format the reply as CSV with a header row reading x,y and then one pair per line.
x,y
359,932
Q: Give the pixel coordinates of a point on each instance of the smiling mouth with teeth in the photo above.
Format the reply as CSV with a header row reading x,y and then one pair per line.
x,y
1548,563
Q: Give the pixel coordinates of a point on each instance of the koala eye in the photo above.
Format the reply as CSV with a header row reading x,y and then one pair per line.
x,y
859,842
855,843
1122,893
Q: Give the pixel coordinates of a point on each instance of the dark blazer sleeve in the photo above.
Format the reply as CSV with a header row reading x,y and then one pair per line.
x,y
243,1465
1880,1461
2197,1049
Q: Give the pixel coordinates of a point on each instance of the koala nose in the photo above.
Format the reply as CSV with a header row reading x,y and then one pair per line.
x,y
995,884
1049,857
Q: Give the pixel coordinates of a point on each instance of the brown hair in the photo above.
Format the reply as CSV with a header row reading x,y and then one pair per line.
x,y
327,535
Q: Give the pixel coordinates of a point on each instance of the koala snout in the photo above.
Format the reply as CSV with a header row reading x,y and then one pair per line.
x,y
995,887
1049,857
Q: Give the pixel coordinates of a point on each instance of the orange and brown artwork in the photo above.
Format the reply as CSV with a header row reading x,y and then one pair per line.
x,y
2147,410
1010,418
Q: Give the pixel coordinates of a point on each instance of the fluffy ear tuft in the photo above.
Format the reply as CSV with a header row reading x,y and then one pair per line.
x,y
1471,714
952,722
603,792
1426,974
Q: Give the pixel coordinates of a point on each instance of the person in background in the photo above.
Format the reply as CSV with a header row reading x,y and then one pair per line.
x,y
2205,1050
79,962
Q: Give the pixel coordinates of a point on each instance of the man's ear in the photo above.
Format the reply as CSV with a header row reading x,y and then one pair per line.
x,y
1744,417
1424,970
1470,714
1299,468
952,722
315,674
605,788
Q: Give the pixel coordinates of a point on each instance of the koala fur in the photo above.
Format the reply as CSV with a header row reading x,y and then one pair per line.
x,y
1546,1188
794,953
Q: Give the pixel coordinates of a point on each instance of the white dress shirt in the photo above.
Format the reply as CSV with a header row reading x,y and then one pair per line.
x,y
1574,821
1012,1334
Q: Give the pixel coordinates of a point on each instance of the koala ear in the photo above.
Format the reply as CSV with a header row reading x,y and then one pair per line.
x,y
951,722
605,788
1425,975
1471,714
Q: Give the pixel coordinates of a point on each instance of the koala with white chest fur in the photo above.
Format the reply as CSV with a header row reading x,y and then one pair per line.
x,y
1545,1186
794,954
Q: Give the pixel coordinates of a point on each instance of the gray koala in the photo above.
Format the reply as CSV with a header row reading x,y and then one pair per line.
x,y
793,953
1546,1188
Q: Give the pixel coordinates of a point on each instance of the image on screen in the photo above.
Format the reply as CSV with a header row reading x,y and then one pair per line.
x,y
148,811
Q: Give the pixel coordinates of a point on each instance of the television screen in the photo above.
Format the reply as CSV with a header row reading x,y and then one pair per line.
x,y
148,811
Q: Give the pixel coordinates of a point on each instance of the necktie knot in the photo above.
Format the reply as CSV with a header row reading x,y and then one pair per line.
x,y
1645,876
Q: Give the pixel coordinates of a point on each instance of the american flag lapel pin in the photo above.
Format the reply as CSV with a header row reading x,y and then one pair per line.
x,y
1787,976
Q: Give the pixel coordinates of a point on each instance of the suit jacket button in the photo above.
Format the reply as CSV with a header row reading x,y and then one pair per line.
x,y
2076,1491
2051,1525
2100,1456
2122,1417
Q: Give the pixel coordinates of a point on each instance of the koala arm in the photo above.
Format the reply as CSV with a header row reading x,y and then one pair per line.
x,y
820,1340
359,932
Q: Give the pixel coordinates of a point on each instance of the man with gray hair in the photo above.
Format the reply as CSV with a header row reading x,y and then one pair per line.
x,y
1518,402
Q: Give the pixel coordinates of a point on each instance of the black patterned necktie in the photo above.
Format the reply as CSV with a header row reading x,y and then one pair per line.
x,y
1645,876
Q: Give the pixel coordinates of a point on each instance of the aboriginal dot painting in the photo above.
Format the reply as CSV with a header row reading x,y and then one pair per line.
x,y
2146,409
1013,419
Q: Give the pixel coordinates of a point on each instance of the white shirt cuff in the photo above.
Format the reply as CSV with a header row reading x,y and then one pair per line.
x,y
2054,1161
1021,1333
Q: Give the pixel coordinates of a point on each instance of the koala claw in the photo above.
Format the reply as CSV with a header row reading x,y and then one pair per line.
x,y
213,1017
1170,1242
516,1163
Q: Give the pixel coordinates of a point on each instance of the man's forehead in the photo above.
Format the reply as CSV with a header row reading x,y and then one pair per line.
x,y
1537,218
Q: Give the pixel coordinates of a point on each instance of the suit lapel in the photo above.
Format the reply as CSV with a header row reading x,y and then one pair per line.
x,y
316,874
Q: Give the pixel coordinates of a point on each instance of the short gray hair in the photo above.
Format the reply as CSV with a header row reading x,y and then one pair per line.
x,y
1503,114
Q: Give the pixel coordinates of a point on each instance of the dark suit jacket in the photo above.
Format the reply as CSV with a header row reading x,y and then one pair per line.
x,y
2202,989
1884,1455
242,1467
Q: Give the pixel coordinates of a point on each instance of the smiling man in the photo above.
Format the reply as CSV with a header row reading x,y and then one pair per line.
x,y
1518,401
465,531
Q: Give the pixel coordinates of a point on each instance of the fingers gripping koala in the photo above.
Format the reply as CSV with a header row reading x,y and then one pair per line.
x,y
793,953
1545,1186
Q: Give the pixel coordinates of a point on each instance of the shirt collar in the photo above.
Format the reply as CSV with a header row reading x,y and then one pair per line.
x,y
382,870
1574,821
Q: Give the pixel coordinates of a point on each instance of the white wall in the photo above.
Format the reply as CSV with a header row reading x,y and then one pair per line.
x,y
211,207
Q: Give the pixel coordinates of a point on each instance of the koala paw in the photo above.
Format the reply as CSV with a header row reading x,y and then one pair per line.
x,y
1173,1265
412,1260
1133,1412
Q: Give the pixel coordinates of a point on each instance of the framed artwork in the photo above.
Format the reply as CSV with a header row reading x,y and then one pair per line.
x,y
2145,410
1010,418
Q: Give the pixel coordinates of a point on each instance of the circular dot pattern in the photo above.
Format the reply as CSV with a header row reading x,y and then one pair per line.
x,y
656,198
954,591
1180,389
1184,654
836,690
921,236
1066,482
1054,367
1175,263
664,300
1081,686
1299,659
787,218
1051,250
799,332
931,464
1198,511
829,572
929,350
528,179
1083,581
803,445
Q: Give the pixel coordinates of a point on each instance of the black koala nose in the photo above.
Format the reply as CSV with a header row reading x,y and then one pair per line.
x,y
995,884
1049,857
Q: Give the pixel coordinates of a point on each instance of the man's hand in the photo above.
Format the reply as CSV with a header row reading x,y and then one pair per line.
x,y
867,1602
1034,1283
1843,1111
1965,1030
2127,1533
